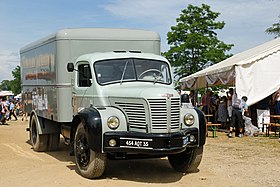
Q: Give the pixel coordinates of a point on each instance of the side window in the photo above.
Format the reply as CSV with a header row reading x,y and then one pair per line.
x,y
84,75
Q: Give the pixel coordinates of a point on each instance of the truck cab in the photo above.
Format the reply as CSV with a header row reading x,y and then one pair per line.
x,y
125,106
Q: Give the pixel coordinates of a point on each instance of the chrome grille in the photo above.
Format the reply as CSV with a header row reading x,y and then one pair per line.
x,y
164,115
158,114
175,114
136,115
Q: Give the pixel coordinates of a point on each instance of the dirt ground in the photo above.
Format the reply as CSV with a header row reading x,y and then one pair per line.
x,y
247,161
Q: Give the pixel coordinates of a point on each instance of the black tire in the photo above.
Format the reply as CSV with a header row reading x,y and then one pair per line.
x,y
90,164
38,141
187,161
53,141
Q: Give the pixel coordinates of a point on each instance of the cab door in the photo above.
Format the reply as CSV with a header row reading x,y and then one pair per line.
x,y
82,96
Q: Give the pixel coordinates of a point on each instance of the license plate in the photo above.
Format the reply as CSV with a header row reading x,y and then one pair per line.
x,y
136,143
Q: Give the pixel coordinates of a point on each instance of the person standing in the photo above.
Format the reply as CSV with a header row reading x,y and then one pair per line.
x,y
17,108
214,107
236,121
12,110
205,102
231,96
244,112
276,103
4,110
244,106
223,112
192,98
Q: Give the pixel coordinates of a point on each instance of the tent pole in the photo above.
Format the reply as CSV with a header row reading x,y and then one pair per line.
x,y
196,94
206,97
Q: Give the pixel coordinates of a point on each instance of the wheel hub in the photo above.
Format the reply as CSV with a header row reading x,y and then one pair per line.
x,y
82,152
34,133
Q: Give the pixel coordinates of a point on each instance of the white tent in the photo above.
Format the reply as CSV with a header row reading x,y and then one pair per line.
x,y
6,93
18,96
255,73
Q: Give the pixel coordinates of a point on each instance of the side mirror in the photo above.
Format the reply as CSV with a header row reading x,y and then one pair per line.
x,y
70,67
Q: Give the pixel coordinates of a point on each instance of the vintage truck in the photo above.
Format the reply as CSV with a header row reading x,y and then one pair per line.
x,y
110,94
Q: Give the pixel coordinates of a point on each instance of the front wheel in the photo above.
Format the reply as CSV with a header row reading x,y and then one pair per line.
x,y
187,161
90,164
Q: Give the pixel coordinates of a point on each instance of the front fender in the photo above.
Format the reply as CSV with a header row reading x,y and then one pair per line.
x,y
95,124
202,127
91,119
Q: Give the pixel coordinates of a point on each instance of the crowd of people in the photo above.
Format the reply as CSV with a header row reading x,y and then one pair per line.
x,y
10,110
229,111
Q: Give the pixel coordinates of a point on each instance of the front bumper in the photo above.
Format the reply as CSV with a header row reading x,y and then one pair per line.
x,y
135,142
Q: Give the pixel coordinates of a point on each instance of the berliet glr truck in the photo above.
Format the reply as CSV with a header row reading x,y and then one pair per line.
x,y
110,94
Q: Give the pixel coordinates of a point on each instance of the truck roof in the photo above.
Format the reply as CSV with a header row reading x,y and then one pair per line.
x,y
95,34
121,55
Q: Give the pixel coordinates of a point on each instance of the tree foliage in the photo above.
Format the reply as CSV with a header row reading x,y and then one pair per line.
x,y
193,41
274,29
5,85
12,85
16,83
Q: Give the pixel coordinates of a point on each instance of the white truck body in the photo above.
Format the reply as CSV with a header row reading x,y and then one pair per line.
x,y
43,64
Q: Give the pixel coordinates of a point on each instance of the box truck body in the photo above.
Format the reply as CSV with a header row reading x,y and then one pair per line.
x,y
44,64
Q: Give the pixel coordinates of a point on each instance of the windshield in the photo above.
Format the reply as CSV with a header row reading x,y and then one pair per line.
x,y
124,70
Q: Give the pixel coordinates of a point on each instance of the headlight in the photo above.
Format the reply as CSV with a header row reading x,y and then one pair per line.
x,y
189,119
113,122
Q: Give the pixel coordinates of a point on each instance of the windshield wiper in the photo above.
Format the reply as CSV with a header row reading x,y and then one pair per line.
x,y
124,69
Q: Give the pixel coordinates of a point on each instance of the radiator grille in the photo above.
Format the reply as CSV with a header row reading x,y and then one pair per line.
x,y
164,115
175,114
136,115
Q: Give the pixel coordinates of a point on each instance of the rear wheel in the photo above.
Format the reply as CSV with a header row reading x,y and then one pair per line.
x,y
91,164
38,141
42,142
187,161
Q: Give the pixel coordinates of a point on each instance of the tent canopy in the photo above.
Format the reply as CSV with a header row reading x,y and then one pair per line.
x,y
255,72
6,93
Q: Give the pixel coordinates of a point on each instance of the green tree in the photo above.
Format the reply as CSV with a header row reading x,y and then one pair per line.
x,y
12,85
5,85
274,29
193,41
16,82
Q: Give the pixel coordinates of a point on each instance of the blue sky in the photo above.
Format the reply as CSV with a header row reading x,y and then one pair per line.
x,y
24,21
